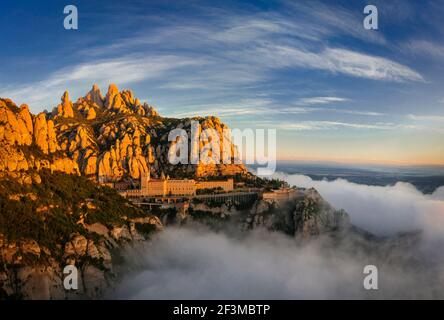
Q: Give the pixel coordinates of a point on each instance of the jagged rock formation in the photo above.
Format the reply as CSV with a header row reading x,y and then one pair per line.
x,y
29,142
64,109
115,136
305,217
95,96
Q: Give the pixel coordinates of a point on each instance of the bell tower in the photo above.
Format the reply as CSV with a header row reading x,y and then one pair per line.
x,y
144,179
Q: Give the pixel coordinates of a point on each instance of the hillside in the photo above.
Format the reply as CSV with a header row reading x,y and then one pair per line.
x,y
58,219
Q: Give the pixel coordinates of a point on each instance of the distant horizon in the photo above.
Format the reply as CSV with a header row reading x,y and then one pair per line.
x,y
360,163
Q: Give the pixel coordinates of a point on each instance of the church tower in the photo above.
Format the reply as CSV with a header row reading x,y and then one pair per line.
x,y
144,179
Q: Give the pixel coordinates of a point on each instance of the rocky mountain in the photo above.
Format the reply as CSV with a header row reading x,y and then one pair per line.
x,y
113,136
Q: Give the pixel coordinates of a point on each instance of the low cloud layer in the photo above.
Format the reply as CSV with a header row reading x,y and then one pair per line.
x,y
196,263
200,264
381,210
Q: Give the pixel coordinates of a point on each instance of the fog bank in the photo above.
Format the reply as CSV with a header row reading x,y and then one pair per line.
x,y
200,264
381,210
196,263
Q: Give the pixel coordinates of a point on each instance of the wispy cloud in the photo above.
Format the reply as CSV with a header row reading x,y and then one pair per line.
x,y
336,20
233,51
270,107
425,48
367,66
125,70
320,100
229,109
335,60
331,125
432,118
326,125
359,112
259,43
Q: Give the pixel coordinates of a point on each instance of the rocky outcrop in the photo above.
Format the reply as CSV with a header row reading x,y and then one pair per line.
x,y
307,215
120,102
16,126
313,216
65,109
32,273
44,134
95,96
116,137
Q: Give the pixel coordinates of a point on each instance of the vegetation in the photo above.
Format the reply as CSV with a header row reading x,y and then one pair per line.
x,y
209,191
206,216
167,215
145,229
245,205
50,211
251,181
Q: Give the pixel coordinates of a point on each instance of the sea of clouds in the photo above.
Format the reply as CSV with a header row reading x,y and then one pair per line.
x,y
196,263
382,210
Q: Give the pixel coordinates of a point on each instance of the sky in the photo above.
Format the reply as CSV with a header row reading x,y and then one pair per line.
x,y
333,90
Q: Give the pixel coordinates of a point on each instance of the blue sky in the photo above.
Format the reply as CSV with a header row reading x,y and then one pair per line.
x,y
333,90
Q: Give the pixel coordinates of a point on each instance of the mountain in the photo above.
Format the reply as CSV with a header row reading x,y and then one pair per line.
x,y
113,136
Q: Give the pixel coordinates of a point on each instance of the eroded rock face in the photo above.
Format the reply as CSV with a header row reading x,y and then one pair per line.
x,y
303,217
95,96
116,137
65,109
313,216
29,271
16,123
91,114
44,134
